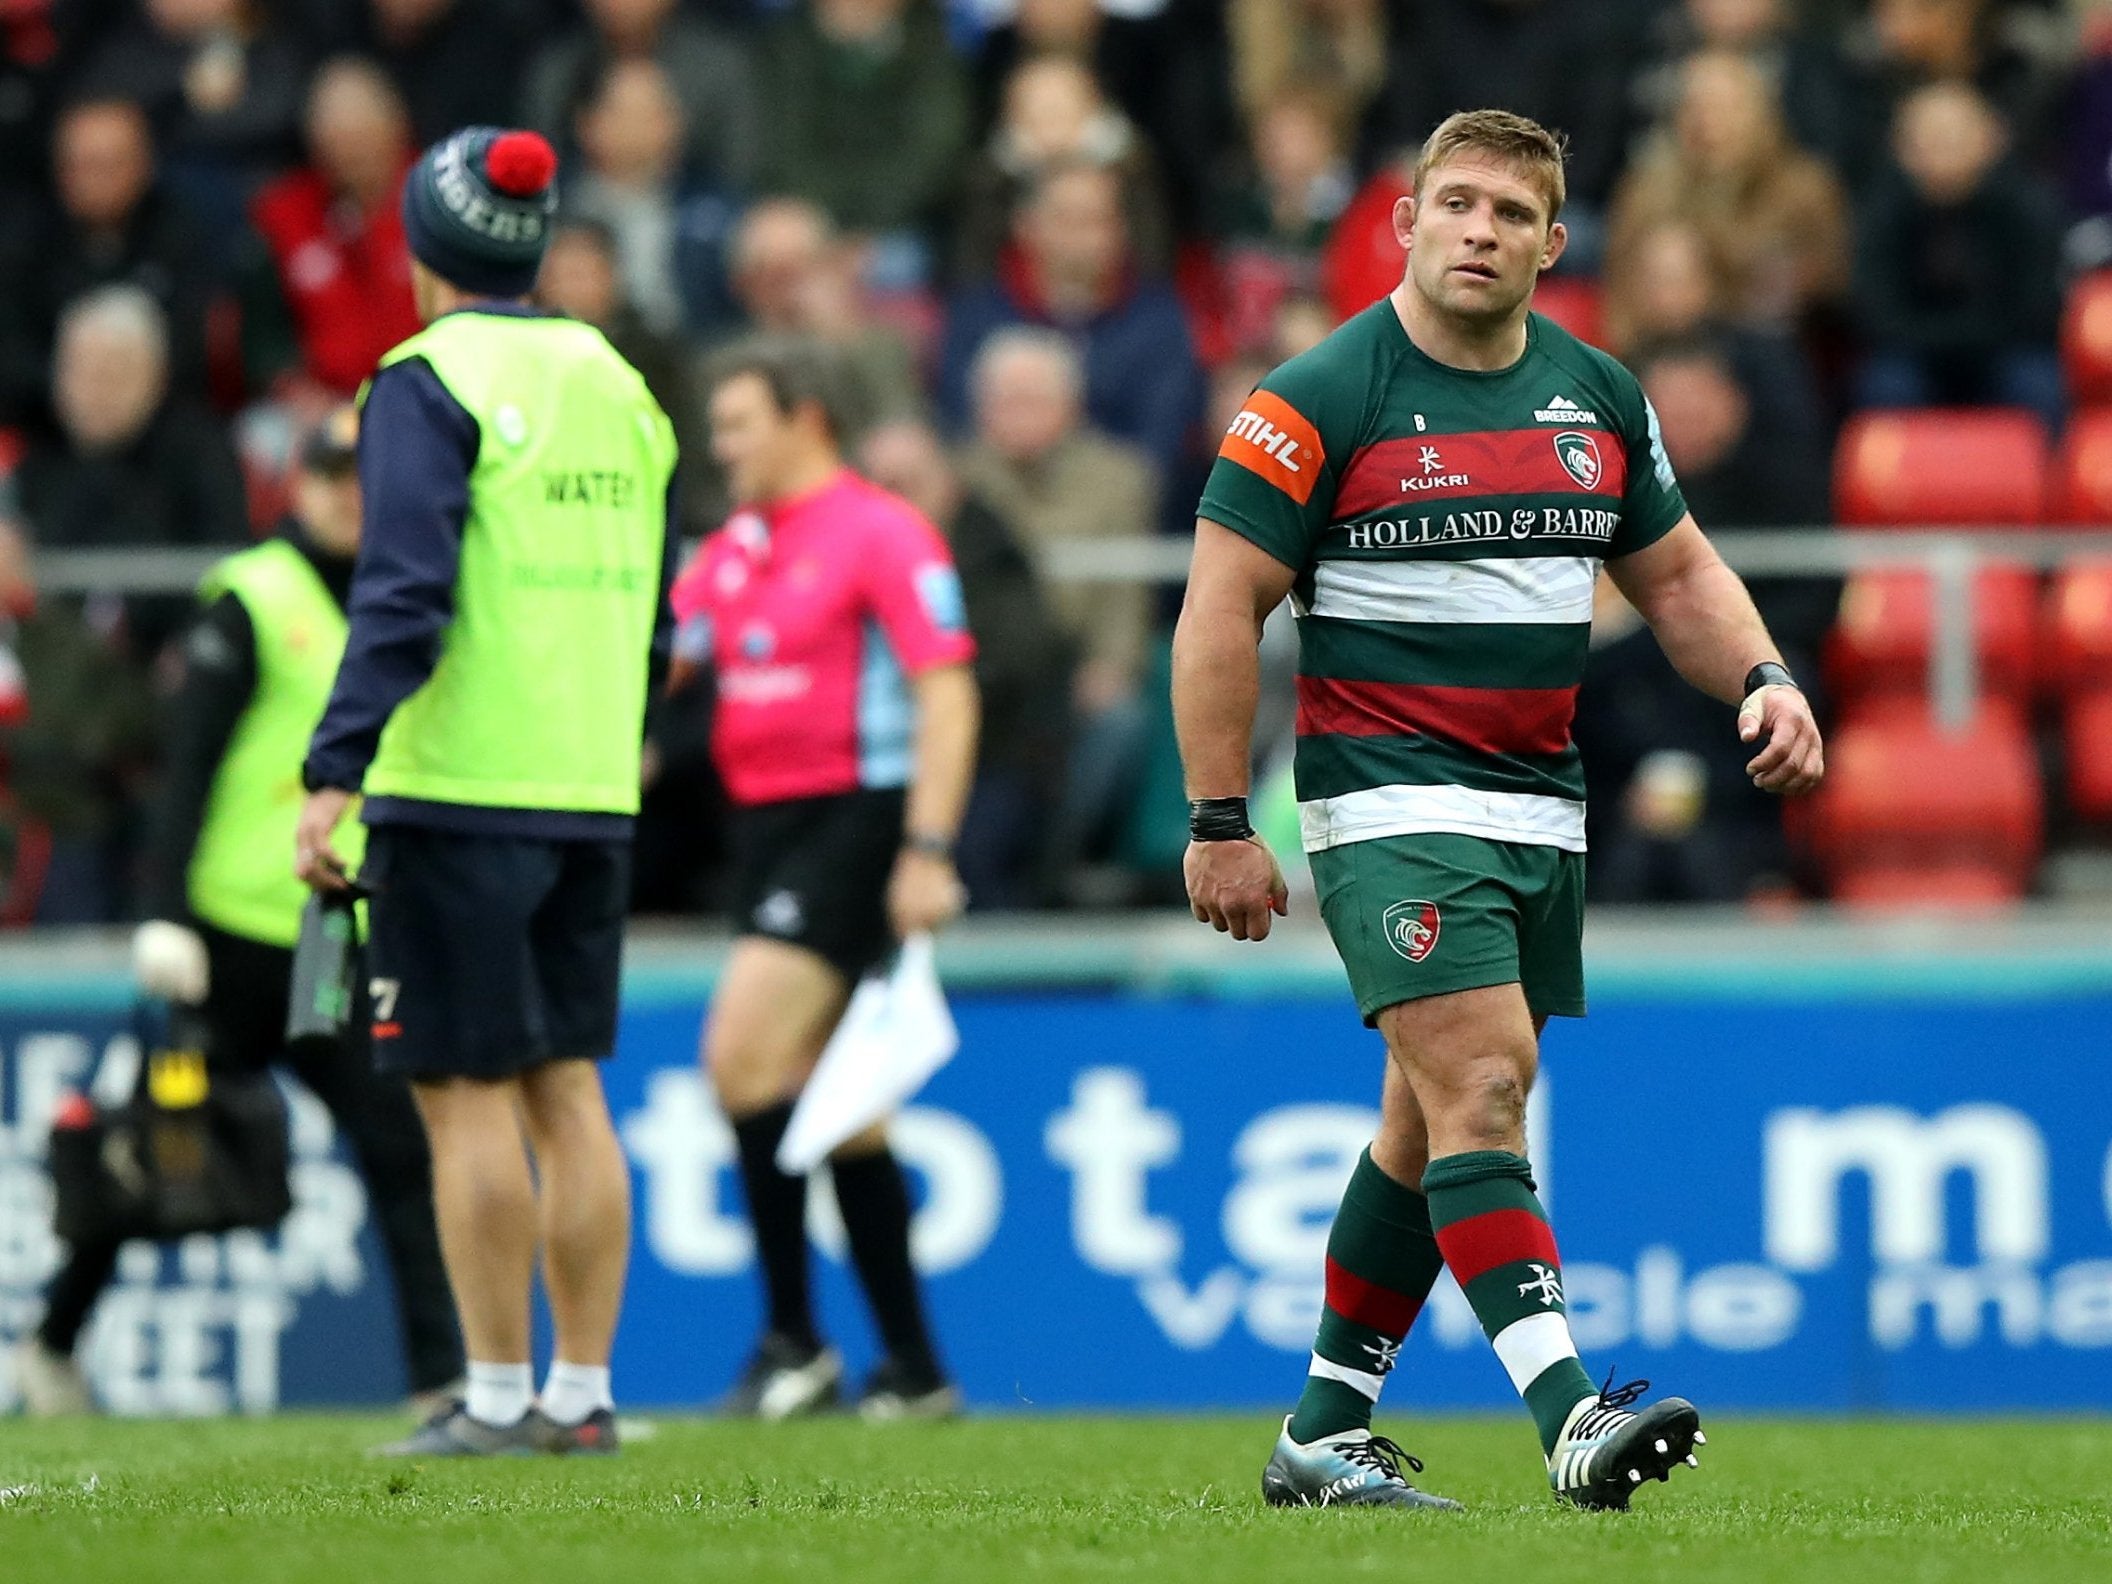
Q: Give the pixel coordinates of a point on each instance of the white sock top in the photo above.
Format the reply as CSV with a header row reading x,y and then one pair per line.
x,y
499,1394
573,1391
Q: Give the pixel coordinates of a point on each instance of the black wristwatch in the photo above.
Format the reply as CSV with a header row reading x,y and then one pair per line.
x,y
928,843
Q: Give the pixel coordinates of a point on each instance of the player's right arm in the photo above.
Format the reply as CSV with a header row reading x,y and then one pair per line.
x,y
1232,586
1267,501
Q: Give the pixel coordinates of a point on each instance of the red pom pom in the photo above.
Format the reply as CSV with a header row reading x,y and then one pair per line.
x,y
521,164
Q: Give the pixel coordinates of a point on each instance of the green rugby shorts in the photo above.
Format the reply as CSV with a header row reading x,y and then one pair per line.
x,y
1425,915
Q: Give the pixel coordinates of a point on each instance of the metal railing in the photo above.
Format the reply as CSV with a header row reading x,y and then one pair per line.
x,y
1953,558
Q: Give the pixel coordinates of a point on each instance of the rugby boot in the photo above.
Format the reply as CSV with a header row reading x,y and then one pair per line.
x,y
453,1433
1352,1468
894,1391
593,1436
1605,1451
784,1380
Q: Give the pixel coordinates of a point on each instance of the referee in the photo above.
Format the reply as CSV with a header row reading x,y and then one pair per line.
x,y
504,618
844,732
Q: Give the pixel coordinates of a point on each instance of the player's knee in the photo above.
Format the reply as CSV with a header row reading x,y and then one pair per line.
x,y
1488,1110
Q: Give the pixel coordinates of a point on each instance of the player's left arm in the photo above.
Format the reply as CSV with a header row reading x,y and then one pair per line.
x,y
1710,631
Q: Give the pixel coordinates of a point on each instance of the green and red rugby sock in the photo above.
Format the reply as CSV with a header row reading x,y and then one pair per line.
x,y
1381,1261
1496,1239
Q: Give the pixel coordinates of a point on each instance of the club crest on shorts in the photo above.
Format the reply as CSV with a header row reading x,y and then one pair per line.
x,y
1411,929
1579,455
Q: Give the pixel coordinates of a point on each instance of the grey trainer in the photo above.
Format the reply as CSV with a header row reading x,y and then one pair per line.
x,y
454,1433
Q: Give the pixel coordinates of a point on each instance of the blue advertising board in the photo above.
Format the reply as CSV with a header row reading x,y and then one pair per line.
x,y
1862,1198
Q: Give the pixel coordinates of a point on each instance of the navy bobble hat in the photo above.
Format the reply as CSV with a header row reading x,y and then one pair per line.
x,y
477,209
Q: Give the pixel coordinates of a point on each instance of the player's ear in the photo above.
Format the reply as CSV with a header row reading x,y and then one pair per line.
x,y
1557,240
1404,220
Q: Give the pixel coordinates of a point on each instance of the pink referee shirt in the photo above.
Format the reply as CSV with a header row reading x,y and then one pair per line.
x,y
814,613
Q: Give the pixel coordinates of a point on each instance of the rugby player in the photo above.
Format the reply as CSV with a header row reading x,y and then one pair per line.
x,y
1436,487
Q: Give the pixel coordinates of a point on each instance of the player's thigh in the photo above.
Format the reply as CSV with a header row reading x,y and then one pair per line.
x,y
774,1009
575,940
1418,916
1550,886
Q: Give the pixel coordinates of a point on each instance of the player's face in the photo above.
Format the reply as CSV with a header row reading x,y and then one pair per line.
x,y
749,437
1478,237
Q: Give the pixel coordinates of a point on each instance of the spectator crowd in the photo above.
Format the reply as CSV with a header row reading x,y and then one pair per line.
x,y
1054,243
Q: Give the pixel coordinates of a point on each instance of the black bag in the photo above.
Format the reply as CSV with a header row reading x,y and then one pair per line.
x,y
191,1151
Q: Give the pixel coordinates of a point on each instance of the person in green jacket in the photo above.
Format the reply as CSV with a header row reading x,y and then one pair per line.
x,y
225,911
508,616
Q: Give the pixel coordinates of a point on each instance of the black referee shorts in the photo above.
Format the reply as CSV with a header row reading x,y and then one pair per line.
x,y
488,955
813,872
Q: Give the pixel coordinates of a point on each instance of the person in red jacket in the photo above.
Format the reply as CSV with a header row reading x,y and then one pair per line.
x,y
336,231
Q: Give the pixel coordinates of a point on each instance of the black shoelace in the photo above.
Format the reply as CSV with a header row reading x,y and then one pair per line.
x,y
1381,1454
1612,1396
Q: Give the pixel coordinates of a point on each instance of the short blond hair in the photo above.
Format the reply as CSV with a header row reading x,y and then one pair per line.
x,y
1513,139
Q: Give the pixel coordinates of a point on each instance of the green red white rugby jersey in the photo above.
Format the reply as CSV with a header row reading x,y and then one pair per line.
x,y
1447,527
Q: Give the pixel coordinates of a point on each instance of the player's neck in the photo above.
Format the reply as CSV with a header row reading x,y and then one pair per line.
x,y
1444,338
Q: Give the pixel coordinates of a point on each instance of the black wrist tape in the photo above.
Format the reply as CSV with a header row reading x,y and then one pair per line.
x,y
1768,673
1219,819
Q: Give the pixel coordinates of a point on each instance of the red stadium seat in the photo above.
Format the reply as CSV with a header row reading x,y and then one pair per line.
x,y
2086,732
1932,468
1576,304
2086,339
2075,642
1881,644
1910,813
1937,467
2081,488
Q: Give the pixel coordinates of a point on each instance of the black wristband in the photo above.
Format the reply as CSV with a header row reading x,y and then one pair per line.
x,y
1768,673
929,844
1218,819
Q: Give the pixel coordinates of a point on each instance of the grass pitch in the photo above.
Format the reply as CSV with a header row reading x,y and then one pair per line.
x,y
293,1501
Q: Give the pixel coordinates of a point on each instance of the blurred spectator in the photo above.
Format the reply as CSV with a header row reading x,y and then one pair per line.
x,y
1957,271
867,111
1074,273
1675,817
458,62
1274,220
1805,72
134,464
709,69
580,279
1563,64
1775,218
793,275
335,227
32,62
113,223
1907,44
1669,289
1022,665
1054,114
2089,148
1281,47
671,234
76,735
222,85
1168,72
1035,459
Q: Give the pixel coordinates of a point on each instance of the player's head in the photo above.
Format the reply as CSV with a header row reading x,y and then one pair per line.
x,y
1482,222
773,408
326,482
477,212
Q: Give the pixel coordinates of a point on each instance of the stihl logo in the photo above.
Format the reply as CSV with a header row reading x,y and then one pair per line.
x,y
1272,438
1252,426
